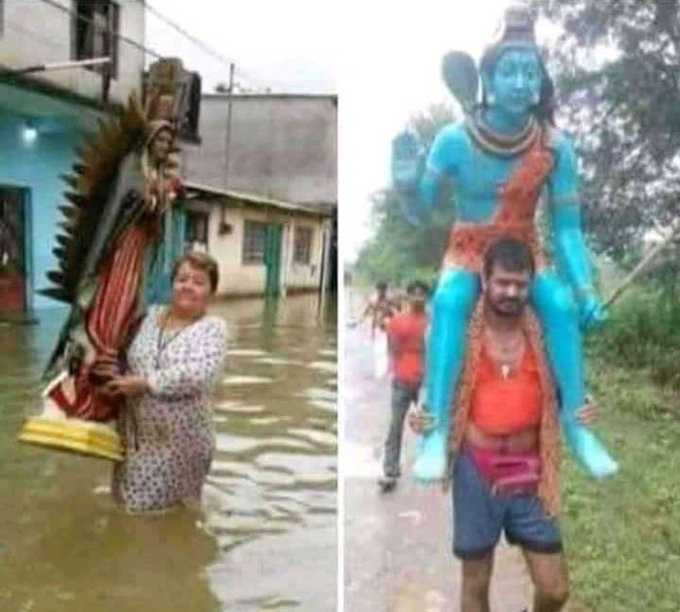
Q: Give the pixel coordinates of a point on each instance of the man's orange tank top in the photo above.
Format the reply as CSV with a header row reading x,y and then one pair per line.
x,y
502,406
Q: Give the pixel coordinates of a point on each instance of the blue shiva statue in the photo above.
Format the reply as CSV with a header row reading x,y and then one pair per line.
x,y
503,157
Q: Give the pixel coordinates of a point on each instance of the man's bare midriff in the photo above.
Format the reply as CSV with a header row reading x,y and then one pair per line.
x,y
520,442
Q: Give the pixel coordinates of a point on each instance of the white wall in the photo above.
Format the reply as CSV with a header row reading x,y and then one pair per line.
x,y
298,275
237,278
36,33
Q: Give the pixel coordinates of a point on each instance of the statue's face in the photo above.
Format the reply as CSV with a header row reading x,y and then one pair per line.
x,y
515,84
161,146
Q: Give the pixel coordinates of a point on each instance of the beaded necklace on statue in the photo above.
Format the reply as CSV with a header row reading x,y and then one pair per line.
x,y
492,141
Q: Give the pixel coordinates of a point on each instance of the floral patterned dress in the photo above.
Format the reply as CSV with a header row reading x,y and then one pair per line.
x,y
167,433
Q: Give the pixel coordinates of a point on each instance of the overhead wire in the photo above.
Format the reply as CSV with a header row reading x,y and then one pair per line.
x,y
118,36
242,74
136,44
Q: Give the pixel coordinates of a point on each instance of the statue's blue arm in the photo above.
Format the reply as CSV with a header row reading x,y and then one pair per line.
x,y
570,247
561,332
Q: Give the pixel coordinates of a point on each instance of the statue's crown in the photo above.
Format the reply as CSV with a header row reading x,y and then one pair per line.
x,y
518,25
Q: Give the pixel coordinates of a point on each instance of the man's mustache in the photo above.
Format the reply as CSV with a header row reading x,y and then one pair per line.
x,y
513,301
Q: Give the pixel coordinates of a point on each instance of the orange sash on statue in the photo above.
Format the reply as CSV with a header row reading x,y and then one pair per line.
x,y
514,217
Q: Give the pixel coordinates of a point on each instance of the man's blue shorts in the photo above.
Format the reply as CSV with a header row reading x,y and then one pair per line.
x,y
479,516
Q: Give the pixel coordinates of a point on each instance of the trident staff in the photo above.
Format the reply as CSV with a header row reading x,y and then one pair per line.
x,y
643,265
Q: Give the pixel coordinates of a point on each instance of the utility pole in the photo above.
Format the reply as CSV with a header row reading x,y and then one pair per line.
x,y
228,137
227,146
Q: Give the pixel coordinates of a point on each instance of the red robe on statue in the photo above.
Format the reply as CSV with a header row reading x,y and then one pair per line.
x,y
109,320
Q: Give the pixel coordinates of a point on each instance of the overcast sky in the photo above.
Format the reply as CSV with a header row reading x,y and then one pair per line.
x,y
382,59
286,46
391,71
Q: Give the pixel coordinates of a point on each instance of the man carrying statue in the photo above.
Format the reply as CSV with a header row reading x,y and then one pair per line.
x,y
506,467
504,158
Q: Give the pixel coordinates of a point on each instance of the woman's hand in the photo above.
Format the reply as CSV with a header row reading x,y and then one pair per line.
x,y
129,386
106,367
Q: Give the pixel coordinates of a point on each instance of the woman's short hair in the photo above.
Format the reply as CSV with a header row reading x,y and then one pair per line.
x,y
200,261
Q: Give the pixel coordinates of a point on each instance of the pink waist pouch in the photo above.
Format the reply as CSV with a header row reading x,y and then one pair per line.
x,y
507,473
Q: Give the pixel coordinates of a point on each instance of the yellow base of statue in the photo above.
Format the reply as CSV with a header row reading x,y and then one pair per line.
x,y
75,435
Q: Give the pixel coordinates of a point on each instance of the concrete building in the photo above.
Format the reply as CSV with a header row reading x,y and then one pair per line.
x,y
263,190
45,31
44,115
262,245
279,146
265,167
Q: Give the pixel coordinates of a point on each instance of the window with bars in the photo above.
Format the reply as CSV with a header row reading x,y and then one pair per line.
x,y
302,246
97,27
253,242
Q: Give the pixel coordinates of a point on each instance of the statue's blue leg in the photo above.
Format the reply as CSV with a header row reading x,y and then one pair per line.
x,y
557,310
452,305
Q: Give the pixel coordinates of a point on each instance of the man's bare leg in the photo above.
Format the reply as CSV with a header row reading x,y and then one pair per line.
x,y
551,582
476,580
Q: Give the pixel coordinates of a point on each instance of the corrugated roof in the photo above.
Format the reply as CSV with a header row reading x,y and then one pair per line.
x,y
271,95
258,200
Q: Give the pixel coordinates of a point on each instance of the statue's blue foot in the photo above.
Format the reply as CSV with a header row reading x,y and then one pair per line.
x,y
589,451
430,466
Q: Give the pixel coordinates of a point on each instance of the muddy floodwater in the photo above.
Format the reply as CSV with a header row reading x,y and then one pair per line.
x,y
266,536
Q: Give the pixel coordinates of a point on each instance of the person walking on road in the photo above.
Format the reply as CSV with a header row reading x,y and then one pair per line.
x,y
504,439
406,342
379,308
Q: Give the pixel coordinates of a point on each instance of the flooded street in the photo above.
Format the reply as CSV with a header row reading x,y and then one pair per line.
x,y
267,536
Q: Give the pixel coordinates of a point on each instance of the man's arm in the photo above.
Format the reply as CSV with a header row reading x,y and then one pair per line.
x,y
368,310
370,306
394,339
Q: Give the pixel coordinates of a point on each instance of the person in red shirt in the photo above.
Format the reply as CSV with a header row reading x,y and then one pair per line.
x,y
406,337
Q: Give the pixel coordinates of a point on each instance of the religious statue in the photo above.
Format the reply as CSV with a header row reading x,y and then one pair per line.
x,y
117,215
504,157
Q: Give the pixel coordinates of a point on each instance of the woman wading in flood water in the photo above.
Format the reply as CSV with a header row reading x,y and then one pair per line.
x,y
166,425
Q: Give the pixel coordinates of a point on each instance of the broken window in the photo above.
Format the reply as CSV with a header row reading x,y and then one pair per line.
x,y
96,30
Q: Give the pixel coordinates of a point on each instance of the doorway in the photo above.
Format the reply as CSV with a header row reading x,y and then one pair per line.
x,y
272,258
14,261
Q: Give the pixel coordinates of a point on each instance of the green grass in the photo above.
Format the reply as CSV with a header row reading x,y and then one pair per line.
x,y
623,536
